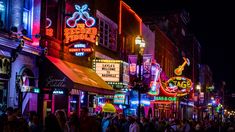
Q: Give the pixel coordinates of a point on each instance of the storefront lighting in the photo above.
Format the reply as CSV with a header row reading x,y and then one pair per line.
x,y
36,90
58,92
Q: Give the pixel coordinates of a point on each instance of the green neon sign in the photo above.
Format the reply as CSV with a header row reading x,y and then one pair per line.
x,y
162,98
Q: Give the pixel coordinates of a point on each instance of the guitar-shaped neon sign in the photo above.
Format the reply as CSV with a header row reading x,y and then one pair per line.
x,y
178,71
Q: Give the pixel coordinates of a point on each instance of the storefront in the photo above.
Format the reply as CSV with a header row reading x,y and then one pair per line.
x,y
115,73
68,85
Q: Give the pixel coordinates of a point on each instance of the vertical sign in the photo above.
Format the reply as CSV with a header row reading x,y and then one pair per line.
x,y
132,60
147,62
126,78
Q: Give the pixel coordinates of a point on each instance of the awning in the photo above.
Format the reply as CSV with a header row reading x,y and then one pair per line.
x,y
83,78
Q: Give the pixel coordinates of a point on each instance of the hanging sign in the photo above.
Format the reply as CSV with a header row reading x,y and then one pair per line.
x,y
147,63
80,26
180,85
155,84
80,49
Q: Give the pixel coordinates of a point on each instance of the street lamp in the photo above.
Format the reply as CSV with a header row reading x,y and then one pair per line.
x,y
140,48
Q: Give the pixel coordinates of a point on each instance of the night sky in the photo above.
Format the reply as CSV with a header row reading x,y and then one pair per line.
x,y
213,26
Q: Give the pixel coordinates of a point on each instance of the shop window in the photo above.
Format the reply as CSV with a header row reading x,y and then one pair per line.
x,y
27,18
3,95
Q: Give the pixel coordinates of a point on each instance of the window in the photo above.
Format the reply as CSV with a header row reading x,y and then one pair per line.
x,y
2,14
107,32
27,17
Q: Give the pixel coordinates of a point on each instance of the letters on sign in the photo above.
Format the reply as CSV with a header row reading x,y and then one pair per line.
x,y
179,85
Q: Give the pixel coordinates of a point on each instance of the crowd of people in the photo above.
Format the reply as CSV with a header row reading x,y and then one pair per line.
x,y
13,121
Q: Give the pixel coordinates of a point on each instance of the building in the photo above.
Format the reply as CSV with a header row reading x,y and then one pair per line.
x,y
174,43
19,53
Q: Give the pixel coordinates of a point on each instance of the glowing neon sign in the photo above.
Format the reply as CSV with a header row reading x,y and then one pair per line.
x,y
179,85
155,84
164,98
178,71
119,99
49,31
80,49
81,14
81,33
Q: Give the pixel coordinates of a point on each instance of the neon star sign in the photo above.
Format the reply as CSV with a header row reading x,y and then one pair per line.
x,y
81,15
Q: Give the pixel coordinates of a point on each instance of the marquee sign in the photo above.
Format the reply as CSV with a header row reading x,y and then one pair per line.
x,y
180,85
80,26
80,49
108,70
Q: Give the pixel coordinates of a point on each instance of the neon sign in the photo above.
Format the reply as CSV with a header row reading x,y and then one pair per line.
x,y
81,14
58,92
80,32
178,71
119,99
164,98
80,49
49,31
180,85
155,84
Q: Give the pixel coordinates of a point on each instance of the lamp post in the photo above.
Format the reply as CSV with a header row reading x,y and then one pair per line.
x,y
140,48
198,87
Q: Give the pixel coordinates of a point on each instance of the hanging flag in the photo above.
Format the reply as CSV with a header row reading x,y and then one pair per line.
x,y
132,60
147,63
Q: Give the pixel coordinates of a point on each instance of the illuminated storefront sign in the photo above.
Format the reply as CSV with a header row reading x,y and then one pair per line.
x,y
49,31
58,92
155,84
108,71
119,99
161,98
80,49
178,71
78,31
180,85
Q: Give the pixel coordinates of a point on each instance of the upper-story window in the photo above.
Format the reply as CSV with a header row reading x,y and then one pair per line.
x,y
107,31
3,14
27,16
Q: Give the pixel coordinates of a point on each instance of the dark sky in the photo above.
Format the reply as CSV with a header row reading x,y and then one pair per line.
x,y
212,23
